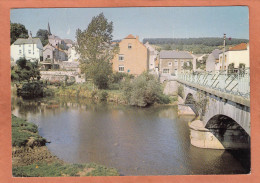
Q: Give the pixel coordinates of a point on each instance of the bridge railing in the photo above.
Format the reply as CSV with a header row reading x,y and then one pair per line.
x,y
235,82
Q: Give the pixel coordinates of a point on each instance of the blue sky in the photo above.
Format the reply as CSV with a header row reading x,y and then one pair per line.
x,y
155,22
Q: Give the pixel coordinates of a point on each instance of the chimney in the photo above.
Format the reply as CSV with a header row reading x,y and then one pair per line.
x,y
137,37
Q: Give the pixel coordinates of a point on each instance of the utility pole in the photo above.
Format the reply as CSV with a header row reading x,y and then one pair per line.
x,y
223,60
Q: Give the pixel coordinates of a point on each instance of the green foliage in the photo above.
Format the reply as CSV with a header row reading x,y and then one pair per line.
x,y
17,31
31,90
207,41
202,64
25,70
181,91
22,131
102,96
96,50
144,90
231,68
43,35
59,169
188,65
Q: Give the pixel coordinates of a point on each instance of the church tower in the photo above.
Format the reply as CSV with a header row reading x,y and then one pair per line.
x,y
49,29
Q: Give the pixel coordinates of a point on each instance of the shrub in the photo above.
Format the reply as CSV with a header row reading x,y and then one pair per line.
x,y
144,90
180,91
93,94
102,96
31,90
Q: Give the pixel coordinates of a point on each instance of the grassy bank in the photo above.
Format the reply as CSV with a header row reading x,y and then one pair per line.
x,y
85,90
31,158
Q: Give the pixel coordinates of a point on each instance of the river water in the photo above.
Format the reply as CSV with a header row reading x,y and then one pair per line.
x,y
136,141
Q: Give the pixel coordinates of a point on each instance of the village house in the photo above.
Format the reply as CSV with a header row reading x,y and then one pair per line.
x,y
153,53
173,62
212,59
73,56
30,49
53,53
238,54
132,58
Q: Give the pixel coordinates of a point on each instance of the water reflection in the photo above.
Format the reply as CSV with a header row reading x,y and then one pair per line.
x,y
137,141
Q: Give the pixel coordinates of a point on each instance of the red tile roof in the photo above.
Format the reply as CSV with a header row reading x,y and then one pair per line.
x,y
130,36
242,46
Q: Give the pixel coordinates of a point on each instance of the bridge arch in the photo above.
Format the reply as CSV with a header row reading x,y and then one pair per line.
x,y
229,132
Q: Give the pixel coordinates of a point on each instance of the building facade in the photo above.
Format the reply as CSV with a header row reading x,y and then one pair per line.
x,y
73,56
212,60
238,54
31,49
132,57
153,53
51,53
173,62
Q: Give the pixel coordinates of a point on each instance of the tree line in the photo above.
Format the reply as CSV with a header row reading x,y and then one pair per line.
x,y
207,41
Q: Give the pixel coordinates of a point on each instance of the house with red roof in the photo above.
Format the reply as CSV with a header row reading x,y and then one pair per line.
x,y
239,55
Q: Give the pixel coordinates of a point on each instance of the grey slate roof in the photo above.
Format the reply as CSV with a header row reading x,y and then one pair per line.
x,y
216,53
27,41
175,54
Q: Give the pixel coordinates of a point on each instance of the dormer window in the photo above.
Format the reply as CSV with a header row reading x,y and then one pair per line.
x,y
129,46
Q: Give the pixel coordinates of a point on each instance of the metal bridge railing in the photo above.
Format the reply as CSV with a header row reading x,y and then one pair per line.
x,y
236,82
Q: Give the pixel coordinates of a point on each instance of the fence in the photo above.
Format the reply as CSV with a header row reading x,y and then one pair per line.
x,y
236,82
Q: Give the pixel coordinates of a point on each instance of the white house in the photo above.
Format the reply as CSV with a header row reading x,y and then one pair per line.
x,y
72,54
30,48
238,54
153,53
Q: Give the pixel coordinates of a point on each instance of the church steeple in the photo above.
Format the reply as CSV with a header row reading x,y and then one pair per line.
x,y
49,29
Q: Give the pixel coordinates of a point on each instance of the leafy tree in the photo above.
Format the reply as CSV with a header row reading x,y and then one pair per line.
x,y
231,68
17,30
188,65
144,90
43,35
96,50
25,71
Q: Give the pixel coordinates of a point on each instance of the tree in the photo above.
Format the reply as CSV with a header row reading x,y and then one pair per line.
x,y
17,31
25,71
43,35
144,90
96,50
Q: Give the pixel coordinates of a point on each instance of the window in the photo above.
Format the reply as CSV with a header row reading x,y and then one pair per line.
x,y
166,70
121,57
225,67
20,51
225,58
29,51
129,46
121,68
169,63
48,56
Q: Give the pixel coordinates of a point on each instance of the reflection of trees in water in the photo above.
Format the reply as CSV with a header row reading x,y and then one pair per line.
x,y
26,106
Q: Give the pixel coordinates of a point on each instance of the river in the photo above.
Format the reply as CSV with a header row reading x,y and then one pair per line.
x,y
136,141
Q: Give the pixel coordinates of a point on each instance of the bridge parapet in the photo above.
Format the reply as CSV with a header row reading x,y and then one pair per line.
x,y
236,83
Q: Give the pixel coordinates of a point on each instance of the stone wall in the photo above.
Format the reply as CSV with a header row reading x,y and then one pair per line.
x,y
61,76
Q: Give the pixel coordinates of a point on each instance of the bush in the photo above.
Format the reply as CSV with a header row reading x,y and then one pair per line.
x,y
144,90
31,90
102,96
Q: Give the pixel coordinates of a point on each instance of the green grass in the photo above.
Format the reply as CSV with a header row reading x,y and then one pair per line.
x,y
59,169
22,131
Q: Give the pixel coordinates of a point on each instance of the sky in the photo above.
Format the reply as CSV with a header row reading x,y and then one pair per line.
x,y
146,22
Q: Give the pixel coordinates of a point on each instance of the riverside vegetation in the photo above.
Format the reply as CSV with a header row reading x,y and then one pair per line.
x,y
31,158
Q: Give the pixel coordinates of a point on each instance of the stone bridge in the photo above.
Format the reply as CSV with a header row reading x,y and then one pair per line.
x,y
222,110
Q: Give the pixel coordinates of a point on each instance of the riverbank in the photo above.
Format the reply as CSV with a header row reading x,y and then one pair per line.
x,y
31,157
